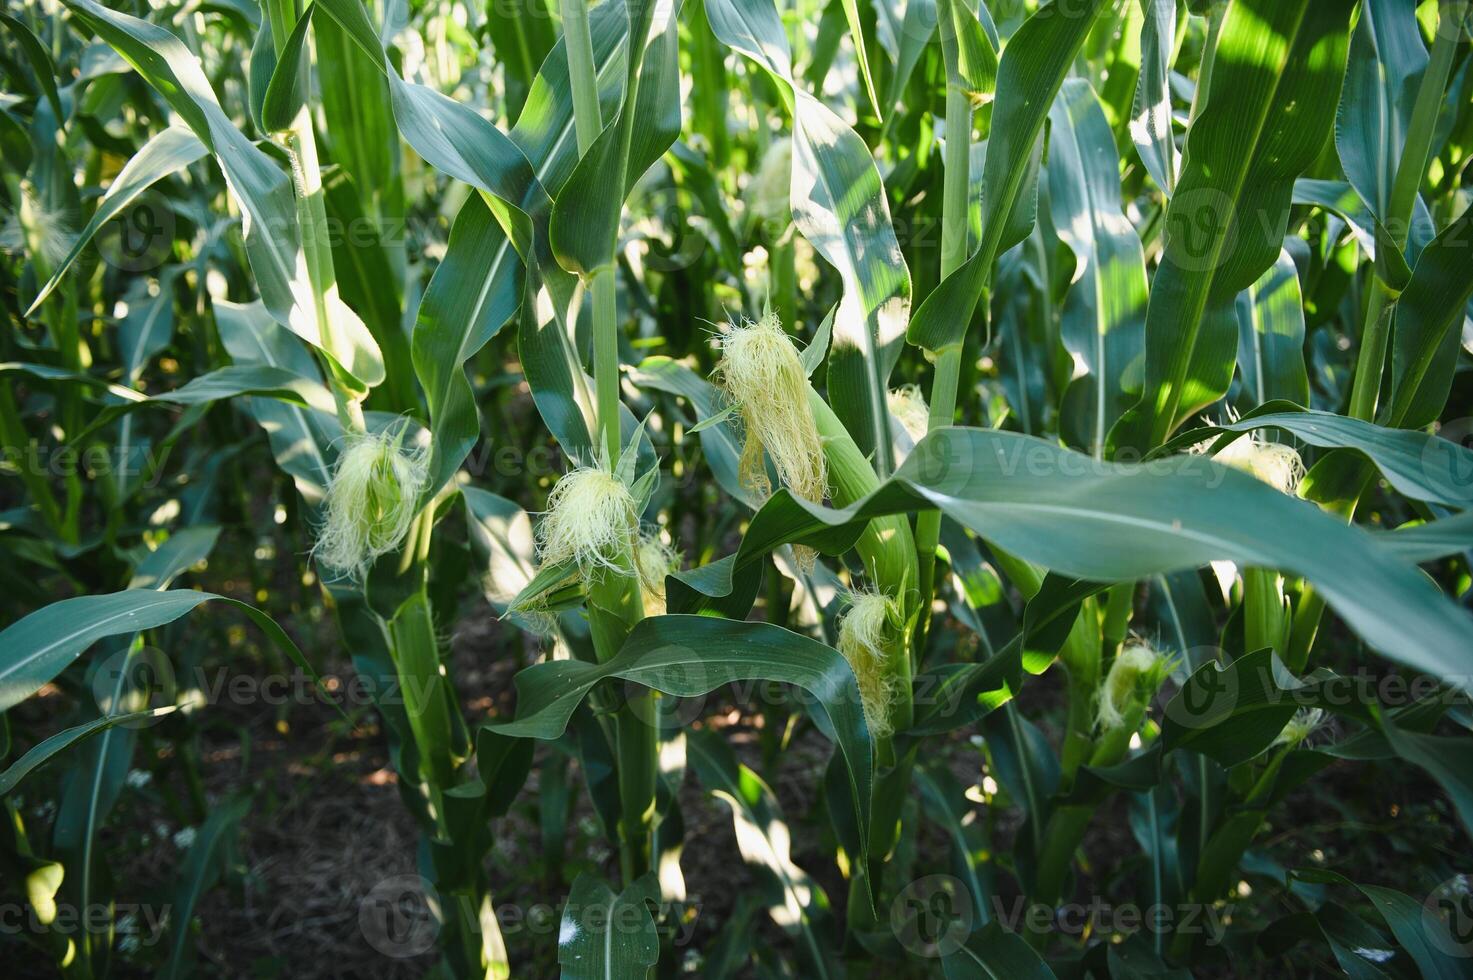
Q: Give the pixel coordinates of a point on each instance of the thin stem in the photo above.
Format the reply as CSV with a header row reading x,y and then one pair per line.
x,y
586,118
955,225
614,600
606,359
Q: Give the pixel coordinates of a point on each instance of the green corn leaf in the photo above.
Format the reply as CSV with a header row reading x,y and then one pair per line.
x,y
948,806
719,445
1276,75
1115,522
40,646
40,59
1428,325
689,656
1432,540
1150,115
1271,337
481,284
1418,465
286,92
1387,61
302,438
427,693
604,935
1104,314
165,153
585,218
1033,67
522,33
148,327
273,238
1430,941
970,42
992,953
61,741
359,118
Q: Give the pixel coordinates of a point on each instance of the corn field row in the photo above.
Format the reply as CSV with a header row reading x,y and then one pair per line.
x,y
763,488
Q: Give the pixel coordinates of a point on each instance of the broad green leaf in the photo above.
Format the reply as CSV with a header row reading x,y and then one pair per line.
x,y
428,695
501,535
1117,522
861,53
522,33
969,47
1435,539
796,903
603,935
480,285
915,34
1150,114
994,953
302,439
1027,768
1104,314
168,151
1268,111
1428,325
286,92
452,136
93,787
689,656
359,117
1386,64
41,64
1350,939
40,646
948,806
1421,466
1033,67
1443,757
273,239
43,752
1233,713
1410,921
839,204
1341,200
474,291
1271,337
148,326
368,264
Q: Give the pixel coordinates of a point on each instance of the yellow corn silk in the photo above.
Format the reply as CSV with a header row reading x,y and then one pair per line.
x,y
591,520
371,501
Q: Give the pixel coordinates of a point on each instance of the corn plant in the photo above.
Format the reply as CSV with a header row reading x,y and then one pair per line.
x,y
1048,414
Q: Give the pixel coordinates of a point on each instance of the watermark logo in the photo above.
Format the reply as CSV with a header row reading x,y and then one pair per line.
x,y
669,713
932,916
1447,917
1209,695
1448,457
398,917
135,679
140,236
1200,229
